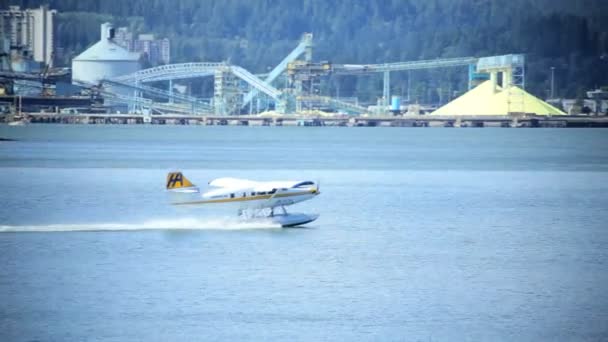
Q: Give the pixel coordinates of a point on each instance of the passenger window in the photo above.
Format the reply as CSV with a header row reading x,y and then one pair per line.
x,y
253,194
231,195
272,191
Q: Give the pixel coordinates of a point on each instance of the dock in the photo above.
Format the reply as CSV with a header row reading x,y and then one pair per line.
x,y
307,120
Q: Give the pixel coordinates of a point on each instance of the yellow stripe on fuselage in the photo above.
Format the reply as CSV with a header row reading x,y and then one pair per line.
x,y
245,199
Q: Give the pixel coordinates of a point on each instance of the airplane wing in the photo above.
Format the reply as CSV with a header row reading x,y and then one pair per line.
x,y
268,186
237,183
228,182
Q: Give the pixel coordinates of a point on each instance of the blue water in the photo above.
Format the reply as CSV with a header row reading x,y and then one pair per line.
x,y
424,235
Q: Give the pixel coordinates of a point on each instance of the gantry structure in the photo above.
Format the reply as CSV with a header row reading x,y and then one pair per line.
x,y
236,89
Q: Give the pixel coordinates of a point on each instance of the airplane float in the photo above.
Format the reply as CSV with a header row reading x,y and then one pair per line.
x,y
252,200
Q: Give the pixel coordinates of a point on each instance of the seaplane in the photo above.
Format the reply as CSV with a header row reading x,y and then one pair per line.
x,y
252,200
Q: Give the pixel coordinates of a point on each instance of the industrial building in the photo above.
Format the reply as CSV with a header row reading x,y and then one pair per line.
x,y
29,32
104,60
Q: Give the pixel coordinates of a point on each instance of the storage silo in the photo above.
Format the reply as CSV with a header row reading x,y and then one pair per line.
x,y
105,59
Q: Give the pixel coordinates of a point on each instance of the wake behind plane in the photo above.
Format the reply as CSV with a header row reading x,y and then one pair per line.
x,y
251,199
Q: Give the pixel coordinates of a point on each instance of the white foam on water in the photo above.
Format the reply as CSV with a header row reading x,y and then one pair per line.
x,y
158,224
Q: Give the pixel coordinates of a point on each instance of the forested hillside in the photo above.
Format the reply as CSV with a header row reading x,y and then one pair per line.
x,y
571,36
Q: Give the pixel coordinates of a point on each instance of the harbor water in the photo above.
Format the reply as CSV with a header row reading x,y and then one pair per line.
x,y
423,235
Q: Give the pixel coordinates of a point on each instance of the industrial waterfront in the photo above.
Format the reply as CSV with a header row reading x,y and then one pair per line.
x,y
107,84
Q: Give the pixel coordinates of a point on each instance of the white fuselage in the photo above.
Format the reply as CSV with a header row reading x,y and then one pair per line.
x,y
251,199
270,195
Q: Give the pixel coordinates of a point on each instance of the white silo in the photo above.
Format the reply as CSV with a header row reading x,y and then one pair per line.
x,y
105,59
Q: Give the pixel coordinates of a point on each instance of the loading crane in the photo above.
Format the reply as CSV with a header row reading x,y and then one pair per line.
x,y
304,47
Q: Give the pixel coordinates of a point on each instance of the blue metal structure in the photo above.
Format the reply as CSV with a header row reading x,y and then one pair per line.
x,y
395,103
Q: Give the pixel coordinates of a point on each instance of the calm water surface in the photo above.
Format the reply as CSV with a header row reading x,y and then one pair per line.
x,y
424,235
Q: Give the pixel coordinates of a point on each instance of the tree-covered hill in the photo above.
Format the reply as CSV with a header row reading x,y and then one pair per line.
x,y
571,36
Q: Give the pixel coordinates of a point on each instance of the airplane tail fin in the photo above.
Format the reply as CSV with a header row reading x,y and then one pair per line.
x,y
175,180
180,188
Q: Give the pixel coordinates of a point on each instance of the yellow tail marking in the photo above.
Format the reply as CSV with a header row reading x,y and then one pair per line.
x,y
177,180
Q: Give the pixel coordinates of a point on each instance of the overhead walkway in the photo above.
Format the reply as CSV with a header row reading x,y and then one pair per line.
x,y
193,102
387,68
349,69
255,82
135,82
195,70
171,72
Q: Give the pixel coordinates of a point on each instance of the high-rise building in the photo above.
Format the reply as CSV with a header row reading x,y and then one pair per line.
x,y
165,50
157,51
30,31
124,38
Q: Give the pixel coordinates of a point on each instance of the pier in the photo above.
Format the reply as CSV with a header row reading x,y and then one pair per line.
x,y
308,120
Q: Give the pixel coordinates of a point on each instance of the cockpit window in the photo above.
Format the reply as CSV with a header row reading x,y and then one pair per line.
x,y
301,184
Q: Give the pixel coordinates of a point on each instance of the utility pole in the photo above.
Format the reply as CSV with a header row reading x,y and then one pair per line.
x,y
552,82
